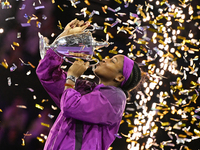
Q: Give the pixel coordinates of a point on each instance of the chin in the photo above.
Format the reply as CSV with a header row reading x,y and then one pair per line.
x,y
97,71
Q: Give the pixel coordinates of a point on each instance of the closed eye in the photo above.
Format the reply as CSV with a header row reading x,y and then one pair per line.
x,y
112,61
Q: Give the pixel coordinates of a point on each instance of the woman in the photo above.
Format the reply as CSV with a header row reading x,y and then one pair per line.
x,y
90,114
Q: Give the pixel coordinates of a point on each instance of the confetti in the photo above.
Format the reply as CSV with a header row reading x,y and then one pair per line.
x,y
160,34
15,44
44,17
53,107
9,81
87,2
30,89
38,24
39,7
28,72
44,100
25,24
19,35
60,26
23,142
40,139
21,106
44,124
60,8
10,18
5,5
34,97
23,7
118,136
4,64
39,106
31,65
50,116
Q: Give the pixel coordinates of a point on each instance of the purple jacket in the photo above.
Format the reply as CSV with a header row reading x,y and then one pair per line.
x,y
100,108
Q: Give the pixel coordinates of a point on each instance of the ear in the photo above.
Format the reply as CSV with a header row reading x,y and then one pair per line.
x,y
119,78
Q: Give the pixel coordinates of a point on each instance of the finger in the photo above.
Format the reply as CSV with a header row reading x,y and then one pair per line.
x,y
70,24
86,25
75,23
80,23
82,55
81,62
75,62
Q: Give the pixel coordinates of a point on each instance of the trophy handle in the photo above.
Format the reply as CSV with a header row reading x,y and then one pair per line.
x,y
43,46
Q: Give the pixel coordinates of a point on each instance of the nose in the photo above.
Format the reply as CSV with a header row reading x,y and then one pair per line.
x,y
103,60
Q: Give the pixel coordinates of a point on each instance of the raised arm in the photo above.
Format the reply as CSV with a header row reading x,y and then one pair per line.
x,y
51,76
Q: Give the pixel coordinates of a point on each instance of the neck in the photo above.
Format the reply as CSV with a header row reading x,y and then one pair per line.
x,y
110,83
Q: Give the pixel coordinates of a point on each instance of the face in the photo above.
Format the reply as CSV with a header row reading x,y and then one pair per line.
x,y
109,69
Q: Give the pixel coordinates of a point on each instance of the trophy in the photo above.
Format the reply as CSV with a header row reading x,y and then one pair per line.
x,y
68,47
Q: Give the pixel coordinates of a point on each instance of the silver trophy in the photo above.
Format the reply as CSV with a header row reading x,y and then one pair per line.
x,y
69,46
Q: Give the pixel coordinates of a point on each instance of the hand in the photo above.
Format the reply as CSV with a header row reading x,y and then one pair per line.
x,y
75,26
82,55
78,68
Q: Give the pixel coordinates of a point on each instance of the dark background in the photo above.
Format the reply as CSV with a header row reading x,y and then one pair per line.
x,y
19,93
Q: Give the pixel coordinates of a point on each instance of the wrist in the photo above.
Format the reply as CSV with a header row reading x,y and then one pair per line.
x,y
72,78
72,74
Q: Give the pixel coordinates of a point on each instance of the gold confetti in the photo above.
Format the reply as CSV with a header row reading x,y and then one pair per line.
x,y
104,9
4,64
60,8
44,124
15,43
39,107
40,139
128,115
87,2
122,121
23,142
118,1
44,100
60,25
31,65
196,17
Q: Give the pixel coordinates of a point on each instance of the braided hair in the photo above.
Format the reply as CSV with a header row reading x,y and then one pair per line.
x,y
133,80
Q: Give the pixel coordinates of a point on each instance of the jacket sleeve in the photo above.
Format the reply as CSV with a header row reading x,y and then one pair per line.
x,y
51,76
96,107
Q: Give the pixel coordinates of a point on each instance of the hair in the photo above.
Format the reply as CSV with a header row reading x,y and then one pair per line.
x,y
134,80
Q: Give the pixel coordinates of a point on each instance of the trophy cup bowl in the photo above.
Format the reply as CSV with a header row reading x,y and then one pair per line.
x,y
76,46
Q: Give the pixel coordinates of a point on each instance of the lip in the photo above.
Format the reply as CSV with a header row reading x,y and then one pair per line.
x,y
98,64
